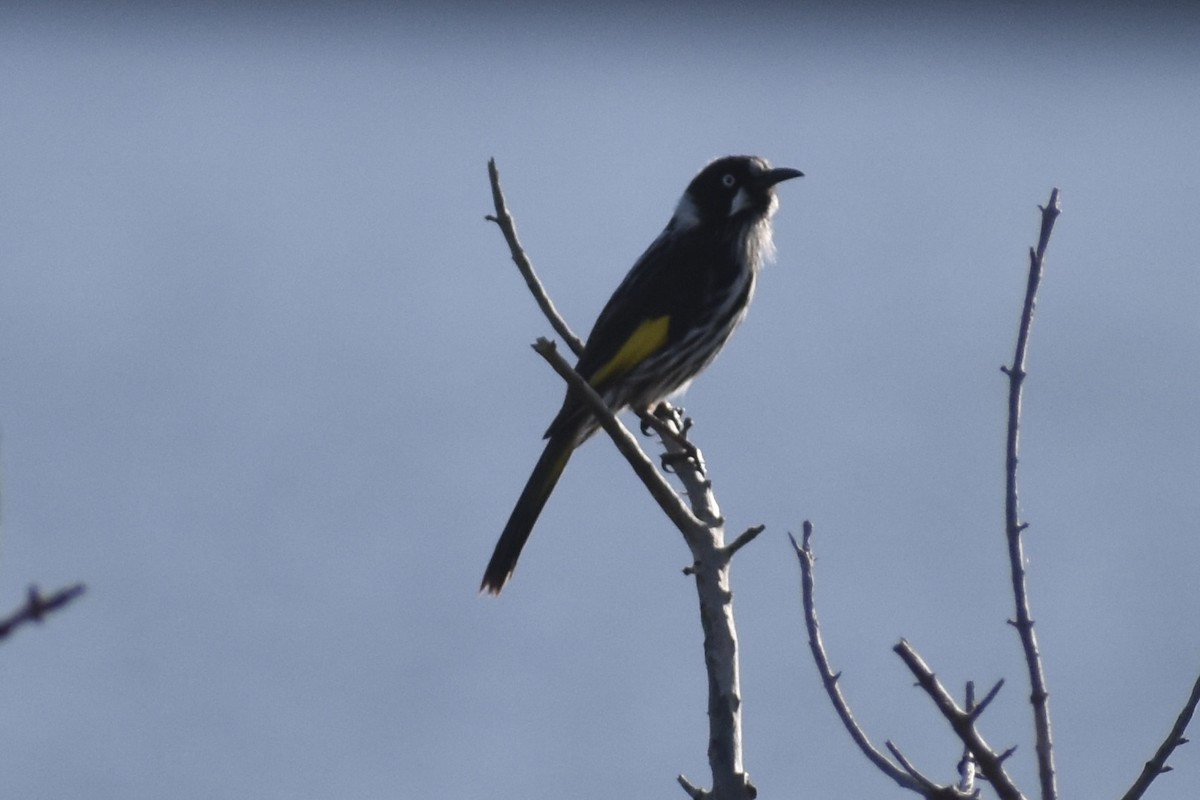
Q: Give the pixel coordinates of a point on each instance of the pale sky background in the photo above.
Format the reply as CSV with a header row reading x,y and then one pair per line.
x,y
265,386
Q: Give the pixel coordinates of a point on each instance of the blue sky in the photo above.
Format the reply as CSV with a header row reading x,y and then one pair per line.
x,y
266,389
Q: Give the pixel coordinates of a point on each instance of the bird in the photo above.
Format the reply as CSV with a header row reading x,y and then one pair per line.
x,y
665,323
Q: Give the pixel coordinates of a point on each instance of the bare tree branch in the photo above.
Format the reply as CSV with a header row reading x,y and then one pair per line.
x,y
926,787
38,606
962,722
505,221
748,536
704,533
978,756
1039,696
906,775
693,791
977,710
1158,764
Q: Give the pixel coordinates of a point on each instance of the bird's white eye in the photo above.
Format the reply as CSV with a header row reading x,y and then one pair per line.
x,y
728,180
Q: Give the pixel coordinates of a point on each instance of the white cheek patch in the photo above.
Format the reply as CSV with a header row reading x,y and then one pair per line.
x,y
686,214
741,201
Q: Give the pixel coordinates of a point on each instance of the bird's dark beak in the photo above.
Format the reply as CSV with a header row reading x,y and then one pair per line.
x,y
778,175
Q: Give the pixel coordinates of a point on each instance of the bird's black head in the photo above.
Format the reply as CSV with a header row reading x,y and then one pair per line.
x,y
734,186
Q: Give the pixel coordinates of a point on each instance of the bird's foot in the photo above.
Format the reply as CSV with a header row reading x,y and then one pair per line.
x,y
672,425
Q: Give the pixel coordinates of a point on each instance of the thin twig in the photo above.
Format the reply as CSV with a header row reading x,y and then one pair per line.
x,y
961,722
928,787
693,791
1039,696
748,536
908,777
505,221
976,710
1158,764
38,606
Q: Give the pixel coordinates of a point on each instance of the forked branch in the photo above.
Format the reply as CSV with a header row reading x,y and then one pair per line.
x,y
37,606
991,764
977,753
905,775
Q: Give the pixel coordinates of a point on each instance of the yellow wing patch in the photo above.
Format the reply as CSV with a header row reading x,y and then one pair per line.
x,y
642,343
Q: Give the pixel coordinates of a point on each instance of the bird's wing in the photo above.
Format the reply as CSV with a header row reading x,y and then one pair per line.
x,y
653,307
643,314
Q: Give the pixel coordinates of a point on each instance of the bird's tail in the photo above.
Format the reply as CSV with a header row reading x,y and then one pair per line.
x,y
530,504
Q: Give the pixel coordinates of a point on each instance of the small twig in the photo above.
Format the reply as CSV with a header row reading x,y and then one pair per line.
x,y
509,228
694,791
1039,696
960,721
977,710
928,786
38,606
747,536
1158,764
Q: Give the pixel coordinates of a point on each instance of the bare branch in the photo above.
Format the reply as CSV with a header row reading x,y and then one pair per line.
x,y
748,536
38,606
1158,764
1039,696
961,722
977,710
509,228
928,787
694,791
907,777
